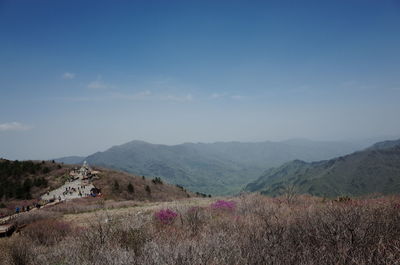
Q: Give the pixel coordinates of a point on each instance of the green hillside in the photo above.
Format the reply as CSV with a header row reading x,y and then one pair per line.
x,y
373,170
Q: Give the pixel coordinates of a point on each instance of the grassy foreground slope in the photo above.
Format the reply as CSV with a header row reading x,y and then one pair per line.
x,y
119,185
373,170
250,229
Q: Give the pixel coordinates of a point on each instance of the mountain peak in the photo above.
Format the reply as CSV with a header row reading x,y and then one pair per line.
x,y
385,145
137,142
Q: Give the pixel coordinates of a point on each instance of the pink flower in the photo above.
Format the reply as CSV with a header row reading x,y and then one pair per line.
x,y
224,205
166,216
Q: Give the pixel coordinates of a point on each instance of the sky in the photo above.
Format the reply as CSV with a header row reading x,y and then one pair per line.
x,y
78,77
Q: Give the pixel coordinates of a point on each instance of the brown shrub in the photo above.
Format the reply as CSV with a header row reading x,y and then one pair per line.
x,y
194,219
133,239
34,216
47,232
16,251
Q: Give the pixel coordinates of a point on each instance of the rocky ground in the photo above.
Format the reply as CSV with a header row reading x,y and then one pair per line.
x,y
77,188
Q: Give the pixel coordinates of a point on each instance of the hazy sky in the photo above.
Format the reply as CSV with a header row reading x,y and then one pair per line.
x,y
80,76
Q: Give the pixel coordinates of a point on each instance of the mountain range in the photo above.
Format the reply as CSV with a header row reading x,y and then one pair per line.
x,y
373,170
213,168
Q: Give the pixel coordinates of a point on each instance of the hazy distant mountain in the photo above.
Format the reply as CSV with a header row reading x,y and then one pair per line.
x,y
216,168
373,170
70,159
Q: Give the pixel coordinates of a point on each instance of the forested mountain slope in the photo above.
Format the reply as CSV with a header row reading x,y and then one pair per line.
x,y
373,170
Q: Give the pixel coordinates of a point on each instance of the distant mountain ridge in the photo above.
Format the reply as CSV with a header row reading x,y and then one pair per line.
x,y
216,168
385,145
71,159
373,170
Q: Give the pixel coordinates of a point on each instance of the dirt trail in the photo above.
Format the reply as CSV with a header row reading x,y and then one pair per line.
x,y
9,218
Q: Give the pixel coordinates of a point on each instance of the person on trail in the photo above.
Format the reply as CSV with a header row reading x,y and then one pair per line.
x,y
17,210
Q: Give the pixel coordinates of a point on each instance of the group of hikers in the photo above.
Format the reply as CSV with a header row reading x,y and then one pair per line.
x,y
71,190
27,208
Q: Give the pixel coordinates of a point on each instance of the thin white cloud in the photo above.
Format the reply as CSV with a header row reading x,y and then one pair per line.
x,y
185,98
138,96
135,96
216,95
79,98
148,95
13,126
99,84
68,75
237,97
226,96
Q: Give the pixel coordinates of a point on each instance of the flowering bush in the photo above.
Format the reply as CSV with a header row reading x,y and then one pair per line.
x,y
224,205
166,216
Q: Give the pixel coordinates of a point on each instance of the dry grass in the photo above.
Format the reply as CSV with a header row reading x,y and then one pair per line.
x,y
260,230
158,192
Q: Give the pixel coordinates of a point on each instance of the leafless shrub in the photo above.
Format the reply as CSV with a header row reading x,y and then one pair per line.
x,y
215,248
99,231
133,239
260,230
4,252
34,216
289,193
19,252
47,232
194,219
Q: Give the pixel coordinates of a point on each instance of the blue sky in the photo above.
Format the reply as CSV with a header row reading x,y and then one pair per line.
x,y
79,76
